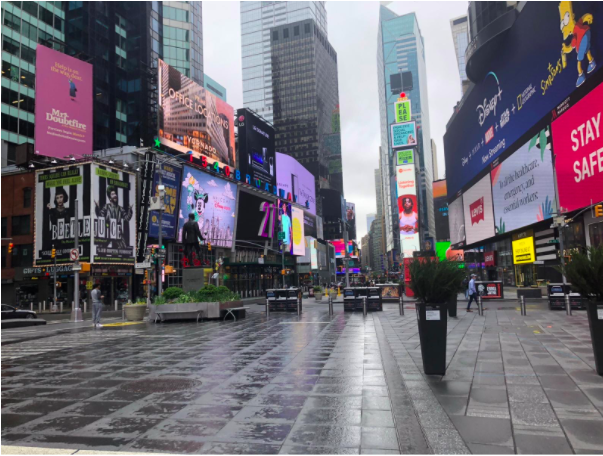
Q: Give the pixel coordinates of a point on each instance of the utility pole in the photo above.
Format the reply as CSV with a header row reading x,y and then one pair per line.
x,y
161,250
347,254
76,312
55,277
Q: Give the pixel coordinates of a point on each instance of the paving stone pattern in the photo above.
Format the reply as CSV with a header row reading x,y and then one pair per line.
x,y
309,385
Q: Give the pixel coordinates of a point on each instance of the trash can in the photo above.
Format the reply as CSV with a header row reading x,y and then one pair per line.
x,y
433,322
452,306
594,310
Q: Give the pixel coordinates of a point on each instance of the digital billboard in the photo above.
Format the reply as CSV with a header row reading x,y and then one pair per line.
x,y
256,147
523,187
444,251
456,222
193,119
285,224
63,118
212,202
338,244
170,179
477,207
297,231
292,178
408,209
405,157
257,219
57,190
537,73
114,219
440,208
310,225
403,134
350,215
578,147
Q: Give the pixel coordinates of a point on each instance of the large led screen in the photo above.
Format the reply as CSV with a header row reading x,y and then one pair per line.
x,y
63,119
578,146
440,208
523,187
408,209
212,202
297,231
338,244
350,214
477,207
257,218
456,222
193,119
170,177
256,147
292,178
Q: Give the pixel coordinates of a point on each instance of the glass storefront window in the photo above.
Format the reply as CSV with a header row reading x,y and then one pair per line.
x,y
596,234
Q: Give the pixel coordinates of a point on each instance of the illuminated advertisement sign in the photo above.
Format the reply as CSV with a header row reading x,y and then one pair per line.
x,y
523,188
170,179
63,118
408,209
456,222
350,211
523,250
297,231
403,135
257,218
114,219
578,146
403,112
404,157
313,253
294,182
212,202
477,207
440,207
193,119
444,252
338,244
537,74
256,147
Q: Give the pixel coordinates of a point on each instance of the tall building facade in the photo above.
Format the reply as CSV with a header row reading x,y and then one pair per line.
x,y
460,37
401,56
24,25
376,229
369,220
305,97
434,160
257,20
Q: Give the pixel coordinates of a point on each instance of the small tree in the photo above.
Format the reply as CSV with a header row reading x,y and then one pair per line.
x,y
435,282
585,273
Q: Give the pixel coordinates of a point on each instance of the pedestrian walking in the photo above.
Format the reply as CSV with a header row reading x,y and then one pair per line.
x,y
472,292
97,305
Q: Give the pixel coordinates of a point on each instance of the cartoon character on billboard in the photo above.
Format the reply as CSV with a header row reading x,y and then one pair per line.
x,y
580,33
196,202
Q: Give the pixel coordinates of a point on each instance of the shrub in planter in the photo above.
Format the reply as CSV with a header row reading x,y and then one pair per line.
x,y
318,292
434,283
585,273
172,292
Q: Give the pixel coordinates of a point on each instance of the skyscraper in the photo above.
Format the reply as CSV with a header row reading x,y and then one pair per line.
x,y
401,67
369,219
257,20
376,229
25,24
460,36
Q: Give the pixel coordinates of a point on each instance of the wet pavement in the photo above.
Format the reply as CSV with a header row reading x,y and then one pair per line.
x,y
307,385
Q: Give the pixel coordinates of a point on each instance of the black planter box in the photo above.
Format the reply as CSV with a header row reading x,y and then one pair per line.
x,y
594,311
433,323
452,306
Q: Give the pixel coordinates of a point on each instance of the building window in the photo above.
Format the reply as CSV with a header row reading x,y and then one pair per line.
x,y
296,30
22,256
12,21
27,197
306,28
4,227
20,225
11,46
275,35
286,33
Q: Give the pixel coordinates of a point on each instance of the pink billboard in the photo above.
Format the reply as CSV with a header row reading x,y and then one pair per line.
x,y
578,147
63,105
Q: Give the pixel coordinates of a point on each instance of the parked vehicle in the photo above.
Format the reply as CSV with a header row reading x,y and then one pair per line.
x,y
9,312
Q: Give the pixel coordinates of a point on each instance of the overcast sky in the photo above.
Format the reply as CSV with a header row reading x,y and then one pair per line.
x,y
353,28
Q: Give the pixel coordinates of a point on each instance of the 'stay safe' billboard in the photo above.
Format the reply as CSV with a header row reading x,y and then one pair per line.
x,y
552,50
63,105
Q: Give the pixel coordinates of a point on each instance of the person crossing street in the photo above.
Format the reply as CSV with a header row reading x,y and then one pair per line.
x,y
97,305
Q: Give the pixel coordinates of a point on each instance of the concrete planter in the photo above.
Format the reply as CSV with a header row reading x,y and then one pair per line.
x,y
318,295
135,312
333,294
209,310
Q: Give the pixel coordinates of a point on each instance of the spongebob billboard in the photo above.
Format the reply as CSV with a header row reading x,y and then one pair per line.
x,y
549,59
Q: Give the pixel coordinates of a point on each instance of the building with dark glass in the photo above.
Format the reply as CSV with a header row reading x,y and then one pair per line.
x,y
306,98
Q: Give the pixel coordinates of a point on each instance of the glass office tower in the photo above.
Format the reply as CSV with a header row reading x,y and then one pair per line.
x,y
460,36
401,67
257,20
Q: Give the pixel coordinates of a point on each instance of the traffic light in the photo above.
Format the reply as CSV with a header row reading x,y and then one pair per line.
x,y
169,269
10,248
283,271
53,254
85,267
209,246
152,250
598,211
146,276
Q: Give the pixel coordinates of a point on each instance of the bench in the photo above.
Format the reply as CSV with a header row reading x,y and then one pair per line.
x,y
229,311
159,313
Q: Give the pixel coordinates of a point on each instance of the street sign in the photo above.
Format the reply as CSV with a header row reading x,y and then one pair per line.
x,y
89,285
553,241
260,261
76,267
281,235
161,253
539,262
143,265
74,254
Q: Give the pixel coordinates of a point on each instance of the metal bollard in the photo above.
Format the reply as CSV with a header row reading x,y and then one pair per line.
x,y
298,307
522,303
364,306
330,306
85,305
31,306
61,306
43,306
39,307
267,307
480,307
568,305
116,305
401,306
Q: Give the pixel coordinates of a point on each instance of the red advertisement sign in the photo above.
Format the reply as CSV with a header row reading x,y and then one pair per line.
x,y
490,258
490,290
477,210
578,147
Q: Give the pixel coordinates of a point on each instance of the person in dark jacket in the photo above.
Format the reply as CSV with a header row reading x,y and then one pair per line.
x,y
191,235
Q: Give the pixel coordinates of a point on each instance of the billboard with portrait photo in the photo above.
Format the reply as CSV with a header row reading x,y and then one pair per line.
x,y
403,135
408,209
193,119
212,202
114,218
350,212
478,211
57,190
63,110
285,221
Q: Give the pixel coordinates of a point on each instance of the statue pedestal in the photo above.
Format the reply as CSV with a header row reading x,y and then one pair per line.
x,y
192,278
